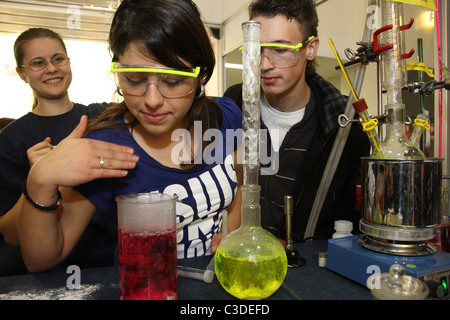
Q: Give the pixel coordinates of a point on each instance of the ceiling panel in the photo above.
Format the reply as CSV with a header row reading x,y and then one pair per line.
x,y
76,19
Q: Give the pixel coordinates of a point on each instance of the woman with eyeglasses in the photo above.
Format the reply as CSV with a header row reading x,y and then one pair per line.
x,y
43,63
165,136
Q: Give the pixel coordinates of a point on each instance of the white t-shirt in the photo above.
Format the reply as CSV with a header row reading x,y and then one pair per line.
x,y
278,121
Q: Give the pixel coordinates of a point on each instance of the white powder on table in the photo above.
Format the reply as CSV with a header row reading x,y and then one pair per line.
x,y
53,294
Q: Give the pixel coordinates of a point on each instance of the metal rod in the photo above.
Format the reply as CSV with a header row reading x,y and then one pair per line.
x,y
288,207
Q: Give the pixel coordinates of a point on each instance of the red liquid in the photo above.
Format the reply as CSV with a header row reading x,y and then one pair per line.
x,y
442,239
148,266
445,238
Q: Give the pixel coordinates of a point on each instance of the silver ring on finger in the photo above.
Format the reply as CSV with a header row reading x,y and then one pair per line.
x,y
102,163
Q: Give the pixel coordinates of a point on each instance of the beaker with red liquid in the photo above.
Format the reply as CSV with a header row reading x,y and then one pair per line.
x,y
147,246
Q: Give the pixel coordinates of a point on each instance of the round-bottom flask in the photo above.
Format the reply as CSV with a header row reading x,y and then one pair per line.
x,y
396,145
250,262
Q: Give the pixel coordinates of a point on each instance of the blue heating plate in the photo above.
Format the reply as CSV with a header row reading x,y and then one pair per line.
x,y
348,258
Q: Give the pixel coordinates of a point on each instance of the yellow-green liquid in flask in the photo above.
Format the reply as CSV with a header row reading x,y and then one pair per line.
x,y
251,277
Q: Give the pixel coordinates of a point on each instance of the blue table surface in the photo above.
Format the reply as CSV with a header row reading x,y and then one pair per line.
x,y
309,282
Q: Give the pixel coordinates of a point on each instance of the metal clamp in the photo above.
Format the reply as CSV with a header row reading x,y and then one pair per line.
x,y
364,55
344,121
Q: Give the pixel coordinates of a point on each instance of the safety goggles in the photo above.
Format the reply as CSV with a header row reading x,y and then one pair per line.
x,y
171,83
282,55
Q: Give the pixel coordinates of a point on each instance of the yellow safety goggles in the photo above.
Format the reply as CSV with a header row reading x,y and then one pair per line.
x,y
117,67
297,47
171,83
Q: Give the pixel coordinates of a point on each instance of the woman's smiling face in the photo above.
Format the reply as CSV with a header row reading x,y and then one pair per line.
x,y
52,82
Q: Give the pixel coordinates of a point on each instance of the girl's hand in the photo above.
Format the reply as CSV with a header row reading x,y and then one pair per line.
x,y
76,160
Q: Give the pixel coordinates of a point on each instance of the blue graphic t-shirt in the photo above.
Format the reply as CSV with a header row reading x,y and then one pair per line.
x,y
203,191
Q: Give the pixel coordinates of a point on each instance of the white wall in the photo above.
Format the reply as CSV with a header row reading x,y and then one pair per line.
x,y
211,10
228,15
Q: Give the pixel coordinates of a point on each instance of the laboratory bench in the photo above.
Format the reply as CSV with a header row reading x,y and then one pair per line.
x,y
309,282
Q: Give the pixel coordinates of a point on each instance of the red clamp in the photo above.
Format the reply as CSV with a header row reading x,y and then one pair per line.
x,y
376,47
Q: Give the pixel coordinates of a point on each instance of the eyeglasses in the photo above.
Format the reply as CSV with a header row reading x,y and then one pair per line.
x,y
39,64
171,83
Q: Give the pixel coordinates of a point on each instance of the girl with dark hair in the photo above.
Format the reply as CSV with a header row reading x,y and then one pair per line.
x,y
162,58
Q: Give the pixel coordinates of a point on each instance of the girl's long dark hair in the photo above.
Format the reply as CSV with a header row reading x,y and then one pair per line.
x,y
169,31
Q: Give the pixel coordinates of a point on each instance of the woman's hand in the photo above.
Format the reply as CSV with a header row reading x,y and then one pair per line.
x,y
76,160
